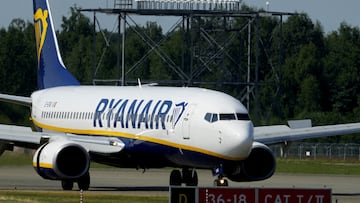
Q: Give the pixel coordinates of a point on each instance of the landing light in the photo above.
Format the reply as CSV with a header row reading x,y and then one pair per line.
x,y
115,143
222,181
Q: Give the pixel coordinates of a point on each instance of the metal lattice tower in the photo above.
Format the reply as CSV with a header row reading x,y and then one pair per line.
x,y
203,48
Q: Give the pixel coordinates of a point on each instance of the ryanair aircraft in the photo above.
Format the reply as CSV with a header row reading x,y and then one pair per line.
x,y
140,127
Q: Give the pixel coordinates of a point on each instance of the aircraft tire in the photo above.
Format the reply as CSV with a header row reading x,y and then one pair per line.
x,y
67,184
84,182
175,178
190,178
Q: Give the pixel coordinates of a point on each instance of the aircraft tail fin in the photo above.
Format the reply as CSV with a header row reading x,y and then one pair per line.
x,y
51,71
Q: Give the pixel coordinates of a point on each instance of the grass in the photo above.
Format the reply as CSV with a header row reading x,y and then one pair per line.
x,y
16,159
319,166
73,196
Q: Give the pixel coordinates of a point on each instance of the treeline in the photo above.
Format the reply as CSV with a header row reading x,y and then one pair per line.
x,y
315,76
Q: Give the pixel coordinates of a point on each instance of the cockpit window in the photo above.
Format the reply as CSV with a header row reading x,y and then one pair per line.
x,y
208,117
243,116
227,116
213,117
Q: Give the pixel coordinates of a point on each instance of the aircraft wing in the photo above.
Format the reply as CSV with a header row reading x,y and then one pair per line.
x,y
19,136
283,133
25,101
25,137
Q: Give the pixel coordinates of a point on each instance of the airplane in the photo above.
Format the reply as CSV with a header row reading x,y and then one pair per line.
x,y
141,127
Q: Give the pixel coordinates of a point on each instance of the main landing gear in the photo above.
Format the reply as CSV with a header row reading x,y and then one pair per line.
x,y
83,183
186,176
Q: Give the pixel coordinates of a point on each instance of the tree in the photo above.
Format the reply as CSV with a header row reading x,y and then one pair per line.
x,y
303,47
75,40
342,68
17,68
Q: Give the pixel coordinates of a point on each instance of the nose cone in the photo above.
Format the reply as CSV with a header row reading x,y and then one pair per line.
x,y
240,137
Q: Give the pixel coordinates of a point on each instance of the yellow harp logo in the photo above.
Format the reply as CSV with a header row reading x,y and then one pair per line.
x,y
41,25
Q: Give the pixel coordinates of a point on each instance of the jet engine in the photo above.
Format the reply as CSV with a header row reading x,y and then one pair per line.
x,y
260,165
61,160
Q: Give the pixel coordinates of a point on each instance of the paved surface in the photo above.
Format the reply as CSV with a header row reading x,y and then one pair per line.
x,y
155,181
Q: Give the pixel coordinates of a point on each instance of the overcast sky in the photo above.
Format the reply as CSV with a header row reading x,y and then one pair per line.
x,y
330,13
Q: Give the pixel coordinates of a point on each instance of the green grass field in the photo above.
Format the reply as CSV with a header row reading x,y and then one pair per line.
x,y
74,196
15,159
319,166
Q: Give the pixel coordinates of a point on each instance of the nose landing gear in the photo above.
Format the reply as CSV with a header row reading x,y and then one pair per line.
x,y
221,182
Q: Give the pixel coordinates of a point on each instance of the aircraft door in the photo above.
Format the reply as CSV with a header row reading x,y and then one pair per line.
x,y
186,124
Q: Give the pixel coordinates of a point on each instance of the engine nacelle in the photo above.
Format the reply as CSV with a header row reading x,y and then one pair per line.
x,y
260,165
61,160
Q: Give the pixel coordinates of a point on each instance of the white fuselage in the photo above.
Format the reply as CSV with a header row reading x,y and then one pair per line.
x,y
198,120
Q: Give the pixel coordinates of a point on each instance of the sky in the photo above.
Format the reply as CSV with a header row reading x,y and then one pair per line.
x,y
330,13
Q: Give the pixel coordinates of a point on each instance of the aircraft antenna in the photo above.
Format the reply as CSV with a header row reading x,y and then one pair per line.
x,y
139,82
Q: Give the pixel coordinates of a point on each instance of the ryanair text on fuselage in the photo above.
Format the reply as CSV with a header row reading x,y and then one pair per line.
x,y
127,113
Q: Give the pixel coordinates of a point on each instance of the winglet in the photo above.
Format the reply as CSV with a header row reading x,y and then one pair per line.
x,y
295,124
51,71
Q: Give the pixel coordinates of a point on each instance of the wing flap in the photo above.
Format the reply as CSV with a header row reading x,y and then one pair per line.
x,y
283,133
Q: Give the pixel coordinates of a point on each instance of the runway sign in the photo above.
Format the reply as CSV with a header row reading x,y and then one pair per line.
x,y
183,195
294,195
226,195
248,195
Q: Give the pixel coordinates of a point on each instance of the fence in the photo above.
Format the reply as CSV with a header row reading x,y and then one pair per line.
x,y
302,150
